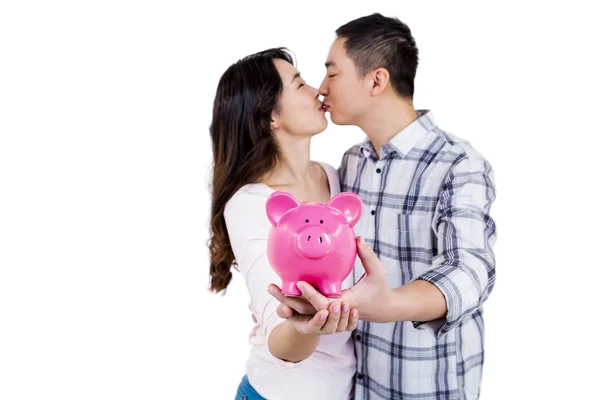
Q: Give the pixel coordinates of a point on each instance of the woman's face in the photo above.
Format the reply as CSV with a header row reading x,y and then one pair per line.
x,y
300,111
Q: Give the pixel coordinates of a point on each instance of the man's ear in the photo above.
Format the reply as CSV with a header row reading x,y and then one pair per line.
x,y
381,79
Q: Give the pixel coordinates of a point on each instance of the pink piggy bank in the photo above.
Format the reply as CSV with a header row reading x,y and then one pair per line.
x,y
313,242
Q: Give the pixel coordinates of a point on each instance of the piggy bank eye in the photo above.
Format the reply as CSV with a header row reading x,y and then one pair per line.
x,y
306,221
321,221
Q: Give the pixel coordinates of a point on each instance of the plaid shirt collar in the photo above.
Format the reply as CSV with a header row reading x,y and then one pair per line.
x,y
405,140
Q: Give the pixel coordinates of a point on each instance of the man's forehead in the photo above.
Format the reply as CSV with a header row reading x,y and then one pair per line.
x,y
337,53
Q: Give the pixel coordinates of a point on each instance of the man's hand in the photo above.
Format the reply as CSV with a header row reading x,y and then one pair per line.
x,y
371,296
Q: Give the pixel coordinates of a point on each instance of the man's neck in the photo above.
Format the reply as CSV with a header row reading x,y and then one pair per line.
x,y
387,119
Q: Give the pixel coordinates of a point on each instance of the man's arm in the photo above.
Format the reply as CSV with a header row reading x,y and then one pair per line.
x,y
461,276
418,300
464,271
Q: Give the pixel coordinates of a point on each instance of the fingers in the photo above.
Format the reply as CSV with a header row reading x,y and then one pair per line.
x,y
318,301
369,259
298,304
331,325
353,321
341,318
333,317
310,325
283,311
344,317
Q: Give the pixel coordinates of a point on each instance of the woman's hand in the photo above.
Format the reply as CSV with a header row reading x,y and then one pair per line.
x,y
332,316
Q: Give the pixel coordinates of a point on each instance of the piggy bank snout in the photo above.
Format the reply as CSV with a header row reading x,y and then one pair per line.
x,y
314,242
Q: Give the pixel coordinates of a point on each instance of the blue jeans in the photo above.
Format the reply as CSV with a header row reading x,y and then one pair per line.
x,y
247,392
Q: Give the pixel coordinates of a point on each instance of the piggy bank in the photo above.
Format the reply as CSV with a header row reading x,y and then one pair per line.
x,y
312,242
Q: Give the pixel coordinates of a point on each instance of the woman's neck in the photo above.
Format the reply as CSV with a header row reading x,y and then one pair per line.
x,y
294,166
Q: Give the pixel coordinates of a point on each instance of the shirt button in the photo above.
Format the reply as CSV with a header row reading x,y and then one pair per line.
x,y
357,337
372,212
359,376
378,170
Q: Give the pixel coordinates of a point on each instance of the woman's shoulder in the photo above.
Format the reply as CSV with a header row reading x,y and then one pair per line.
x,y
332,177
329,169
246,210
253,195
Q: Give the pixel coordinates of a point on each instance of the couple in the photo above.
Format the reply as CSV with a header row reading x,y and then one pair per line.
x,y
409,323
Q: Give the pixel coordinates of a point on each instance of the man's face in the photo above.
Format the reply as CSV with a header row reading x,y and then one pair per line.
x,y
347,94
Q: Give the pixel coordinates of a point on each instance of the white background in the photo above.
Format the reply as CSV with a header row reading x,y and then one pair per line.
x,y
104,157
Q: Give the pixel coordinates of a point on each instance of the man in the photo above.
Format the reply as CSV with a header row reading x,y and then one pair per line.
x,y
429,264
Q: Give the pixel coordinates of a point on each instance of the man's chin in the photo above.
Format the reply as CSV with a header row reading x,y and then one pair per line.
x,y
338,120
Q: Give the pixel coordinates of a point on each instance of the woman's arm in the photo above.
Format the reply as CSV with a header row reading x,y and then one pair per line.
x,y
287,344
248,228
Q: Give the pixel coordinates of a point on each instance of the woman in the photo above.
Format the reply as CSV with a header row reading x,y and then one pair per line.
x,y
264,117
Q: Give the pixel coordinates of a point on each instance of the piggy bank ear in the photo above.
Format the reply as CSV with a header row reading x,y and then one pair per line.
x,y
349,204
278,204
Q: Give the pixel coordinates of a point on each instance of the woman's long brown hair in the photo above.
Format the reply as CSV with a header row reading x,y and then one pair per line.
x,y
244,147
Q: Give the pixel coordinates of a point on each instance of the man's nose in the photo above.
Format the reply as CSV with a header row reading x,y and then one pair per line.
x,y
323,89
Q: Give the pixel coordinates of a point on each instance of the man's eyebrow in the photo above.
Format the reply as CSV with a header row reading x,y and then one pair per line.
x,y
329,64
296,75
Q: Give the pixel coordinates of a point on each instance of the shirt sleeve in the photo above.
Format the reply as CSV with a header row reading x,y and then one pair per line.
x,y
464,269
248,228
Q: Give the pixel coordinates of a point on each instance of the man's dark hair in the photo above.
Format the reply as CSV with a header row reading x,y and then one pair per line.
x,y
375,42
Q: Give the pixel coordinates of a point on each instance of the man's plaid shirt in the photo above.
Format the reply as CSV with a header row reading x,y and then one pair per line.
x,y
427,202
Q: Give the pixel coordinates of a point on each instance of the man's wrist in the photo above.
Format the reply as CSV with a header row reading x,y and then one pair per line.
x,y
393,306
397,306
387,307
418,300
